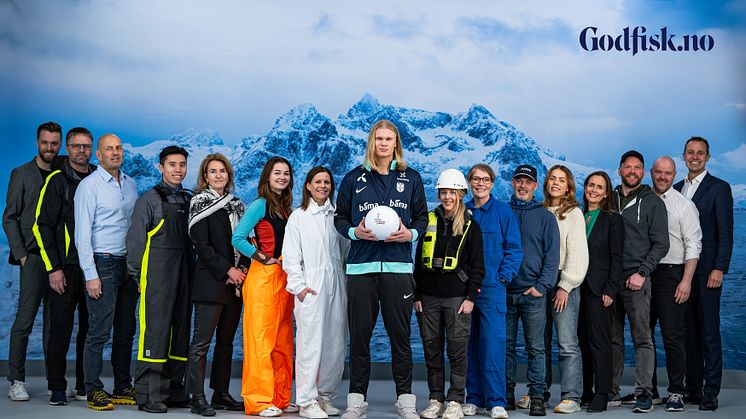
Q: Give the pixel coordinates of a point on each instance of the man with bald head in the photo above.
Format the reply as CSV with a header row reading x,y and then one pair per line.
x,y
103,207
671,280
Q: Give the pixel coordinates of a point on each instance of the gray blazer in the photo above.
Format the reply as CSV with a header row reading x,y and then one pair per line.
x,y
20,210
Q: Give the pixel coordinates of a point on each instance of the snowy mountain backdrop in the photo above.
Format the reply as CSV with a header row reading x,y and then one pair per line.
x,y
432,141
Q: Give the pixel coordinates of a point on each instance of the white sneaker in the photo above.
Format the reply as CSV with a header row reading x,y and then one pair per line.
x,y
357,407
433,410
292,408
406,406
17,391
498,412
523,403
470,409
327,406
271,412
567,406
453,411
313,411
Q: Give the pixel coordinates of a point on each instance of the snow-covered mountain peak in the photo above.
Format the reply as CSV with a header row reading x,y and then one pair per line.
x,y
300,117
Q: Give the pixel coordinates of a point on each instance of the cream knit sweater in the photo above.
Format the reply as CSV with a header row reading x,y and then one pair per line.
x,y
573,248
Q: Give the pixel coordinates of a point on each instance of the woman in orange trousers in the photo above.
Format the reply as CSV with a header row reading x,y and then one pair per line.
x,y
268,309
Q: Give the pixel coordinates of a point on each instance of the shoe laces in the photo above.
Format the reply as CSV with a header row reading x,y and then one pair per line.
x,y
433,405
675,398
453,407
100,396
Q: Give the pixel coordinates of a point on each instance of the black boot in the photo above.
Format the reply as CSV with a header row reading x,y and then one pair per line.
x,y
200,405
536,408
598,404
153,407
222,400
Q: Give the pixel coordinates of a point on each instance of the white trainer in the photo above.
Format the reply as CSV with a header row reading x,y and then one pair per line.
x,y
271,412
567,406
524,402
471,409
453,411
406,406
327,406
17,391
433,410
498,412
313,411
357,407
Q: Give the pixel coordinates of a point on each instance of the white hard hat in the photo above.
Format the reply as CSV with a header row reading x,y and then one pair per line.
x,y
451,179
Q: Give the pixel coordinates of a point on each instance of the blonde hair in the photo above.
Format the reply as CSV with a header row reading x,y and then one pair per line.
x,y
459,213
202,177
370,150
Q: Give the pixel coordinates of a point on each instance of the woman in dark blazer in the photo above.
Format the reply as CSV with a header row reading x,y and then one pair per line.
x,y
213,214
605,233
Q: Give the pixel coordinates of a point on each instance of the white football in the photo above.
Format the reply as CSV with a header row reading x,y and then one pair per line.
x,y
382,221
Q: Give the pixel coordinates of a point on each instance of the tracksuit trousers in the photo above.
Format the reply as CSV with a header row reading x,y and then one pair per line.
x,y
395,293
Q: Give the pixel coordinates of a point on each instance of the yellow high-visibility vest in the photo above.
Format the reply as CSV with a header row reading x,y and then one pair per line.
x,y
450,263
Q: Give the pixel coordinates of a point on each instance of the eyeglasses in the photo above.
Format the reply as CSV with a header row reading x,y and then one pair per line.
x,y
80,146
477,180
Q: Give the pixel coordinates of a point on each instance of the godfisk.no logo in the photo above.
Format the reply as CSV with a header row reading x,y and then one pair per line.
x,y
636,40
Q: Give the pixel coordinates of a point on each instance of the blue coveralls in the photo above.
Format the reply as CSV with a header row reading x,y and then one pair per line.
x,y
485,379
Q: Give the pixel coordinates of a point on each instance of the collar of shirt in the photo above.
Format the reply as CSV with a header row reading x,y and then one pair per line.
x,y
486,207
315,208
107,177
697,180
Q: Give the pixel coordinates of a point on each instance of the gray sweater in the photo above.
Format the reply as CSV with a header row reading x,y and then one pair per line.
x,y
645,230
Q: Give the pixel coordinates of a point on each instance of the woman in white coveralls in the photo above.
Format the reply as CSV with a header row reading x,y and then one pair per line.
x,y
313,257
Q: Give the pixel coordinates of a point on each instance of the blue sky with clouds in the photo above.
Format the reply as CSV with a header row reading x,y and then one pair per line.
x,y
148,70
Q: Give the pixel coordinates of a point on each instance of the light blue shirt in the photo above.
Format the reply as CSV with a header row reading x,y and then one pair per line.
x,y
103,208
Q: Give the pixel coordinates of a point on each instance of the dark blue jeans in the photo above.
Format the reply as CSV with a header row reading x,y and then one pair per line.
x,y
531,311
114,309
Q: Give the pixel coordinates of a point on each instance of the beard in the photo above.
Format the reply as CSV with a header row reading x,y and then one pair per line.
x,y
45,158
630,185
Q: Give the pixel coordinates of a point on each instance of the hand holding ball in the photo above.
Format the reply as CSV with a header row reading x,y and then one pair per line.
x,y
382,221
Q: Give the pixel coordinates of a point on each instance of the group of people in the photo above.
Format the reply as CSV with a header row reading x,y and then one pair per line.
x,y
195,259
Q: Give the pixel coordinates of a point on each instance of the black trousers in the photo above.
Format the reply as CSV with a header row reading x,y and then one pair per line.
x,y
395,293
212,319
594,336
34,282
663,308
440,322
61,308
704,350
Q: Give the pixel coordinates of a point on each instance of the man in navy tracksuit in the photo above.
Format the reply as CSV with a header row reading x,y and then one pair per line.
x,y
381,271
526,299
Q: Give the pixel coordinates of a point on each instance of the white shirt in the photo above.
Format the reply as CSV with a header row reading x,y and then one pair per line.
x,y
103,208
684,232
690,187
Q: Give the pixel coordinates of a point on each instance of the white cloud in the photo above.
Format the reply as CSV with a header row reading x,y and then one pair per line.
x,y
735,159
235,65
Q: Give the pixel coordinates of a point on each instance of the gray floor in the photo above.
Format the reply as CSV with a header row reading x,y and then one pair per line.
x,y
381,399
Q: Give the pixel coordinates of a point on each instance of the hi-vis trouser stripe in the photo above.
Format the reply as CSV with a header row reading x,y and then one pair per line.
x,y
35,228
143,290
